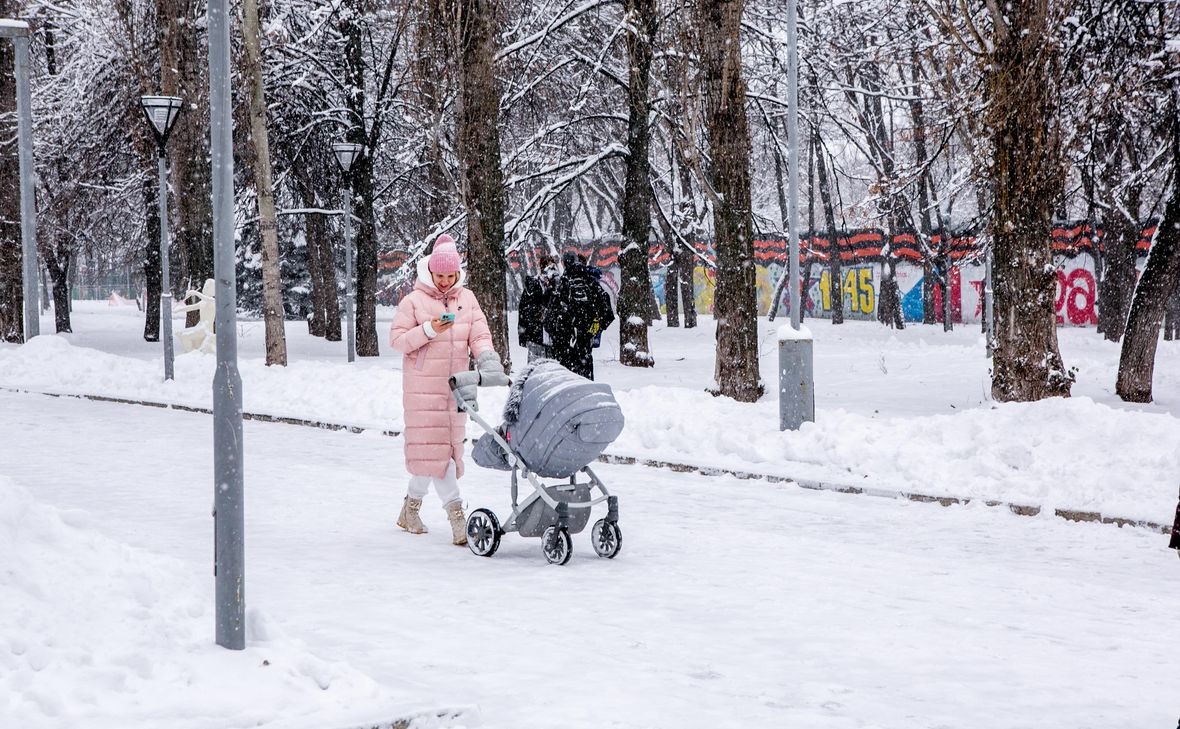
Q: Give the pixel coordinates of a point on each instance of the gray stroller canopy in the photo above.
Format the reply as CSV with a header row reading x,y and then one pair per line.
x,y
556,422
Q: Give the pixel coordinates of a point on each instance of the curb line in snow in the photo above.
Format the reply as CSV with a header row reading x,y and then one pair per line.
x,y
1018,509
262,417
440,718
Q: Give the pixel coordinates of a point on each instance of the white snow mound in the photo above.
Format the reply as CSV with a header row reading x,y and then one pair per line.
x,y
99,634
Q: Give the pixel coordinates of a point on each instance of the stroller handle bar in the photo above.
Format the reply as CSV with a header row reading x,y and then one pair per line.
x,y
480,379
475,377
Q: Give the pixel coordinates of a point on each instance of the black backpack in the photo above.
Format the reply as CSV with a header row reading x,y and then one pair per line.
x,y
578,304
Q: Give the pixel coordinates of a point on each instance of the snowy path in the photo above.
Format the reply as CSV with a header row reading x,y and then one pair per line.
x,y
733,604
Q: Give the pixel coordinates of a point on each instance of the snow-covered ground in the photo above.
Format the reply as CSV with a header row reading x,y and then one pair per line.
x,y
734,603
896,410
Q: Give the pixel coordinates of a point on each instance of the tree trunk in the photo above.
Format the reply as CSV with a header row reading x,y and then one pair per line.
x,y
12,321
784,218
784,280
1027,173
320,244
360,178
635,288
365,240
151,259
735,303
918,116
272,285
1137,359
321,260
59,271
146,151
58,260
835,265
478,139
56,246
686,268
672,286
1119,235
430,64
1117,286
184,73
892,202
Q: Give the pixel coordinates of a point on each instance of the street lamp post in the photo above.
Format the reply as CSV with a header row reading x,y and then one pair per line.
x,y
795,347
18,31
161,113
229,516
346,154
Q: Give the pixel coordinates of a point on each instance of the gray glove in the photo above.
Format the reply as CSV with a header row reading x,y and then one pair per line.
x,y
468,393
465,384
489,363
491,371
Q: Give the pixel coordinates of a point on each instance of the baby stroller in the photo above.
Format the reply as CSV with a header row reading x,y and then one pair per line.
x,y
555,424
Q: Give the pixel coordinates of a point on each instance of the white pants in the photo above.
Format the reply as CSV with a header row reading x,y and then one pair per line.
x,y
446,487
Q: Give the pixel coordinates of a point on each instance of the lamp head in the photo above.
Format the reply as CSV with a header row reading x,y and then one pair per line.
x,y
161,113
346,154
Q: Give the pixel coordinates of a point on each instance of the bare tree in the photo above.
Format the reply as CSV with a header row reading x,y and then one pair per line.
x,y
1160,277
184,73
735,301
272,288
135,24
1027,173
478,138
12,325
56,246
641,17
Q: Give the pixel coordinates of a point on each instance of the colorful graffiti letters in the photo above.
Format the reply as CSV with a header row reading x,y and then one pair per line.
x,y
1076,294
858,289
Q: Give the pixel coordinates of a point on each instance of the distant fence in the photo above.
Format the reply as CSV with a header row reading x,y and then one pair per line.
x,y
860,251
88,286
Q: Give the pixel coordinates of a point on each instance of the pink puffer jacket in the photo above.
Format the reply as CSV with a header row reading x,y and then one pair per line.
x,y
434,426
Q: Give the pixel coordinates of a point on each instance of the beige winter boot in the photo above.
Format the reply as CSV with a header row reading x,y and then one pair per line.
x,y
458,522
409,519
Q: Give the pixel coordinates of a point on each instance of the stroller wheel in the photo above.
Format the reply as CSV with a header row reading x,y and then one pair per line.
x,y
607,538
483,533
557,545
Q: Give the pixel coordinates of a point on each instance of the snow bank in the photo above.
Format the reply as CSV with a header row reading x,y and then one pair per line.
x,y
1060,453
369,397
1082,453
99,634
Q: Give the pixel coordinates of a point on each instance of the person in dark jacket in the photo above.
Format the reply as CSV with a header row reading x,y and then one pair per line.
x,y
534,301
1175,542
578,310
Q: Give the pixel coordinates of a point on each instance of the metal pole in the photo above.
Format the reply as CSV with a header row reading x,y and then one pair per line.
x,y
349,257
228,487
28,210
793,162
165,277
796,377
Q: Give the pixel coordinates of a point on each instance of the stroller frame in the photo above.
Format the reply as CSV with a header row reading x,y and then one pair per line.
x,y
543,513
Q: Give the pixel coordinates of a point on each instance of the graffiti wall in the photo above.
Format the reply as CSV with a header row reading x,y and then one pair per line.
x,y
861,273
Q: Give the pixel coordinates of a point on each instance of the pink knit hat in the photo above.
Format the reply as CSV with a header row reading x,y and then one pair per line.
x,y
445,258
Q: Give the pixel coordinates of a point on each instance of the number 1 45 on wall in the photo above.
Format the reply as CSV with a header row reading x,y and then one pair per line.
x,y
857,288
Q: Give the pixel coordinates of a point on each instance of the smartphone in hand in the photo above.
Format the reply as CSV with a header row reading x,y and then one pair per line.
x,y
448,316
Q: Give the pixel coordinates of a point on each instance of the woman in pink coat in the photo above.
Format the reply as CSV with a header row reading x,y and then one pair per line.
x,y
434,348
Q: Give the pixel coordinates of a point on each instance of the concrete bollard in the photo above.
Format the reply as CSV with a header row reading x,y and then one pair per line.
x,y
796,381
